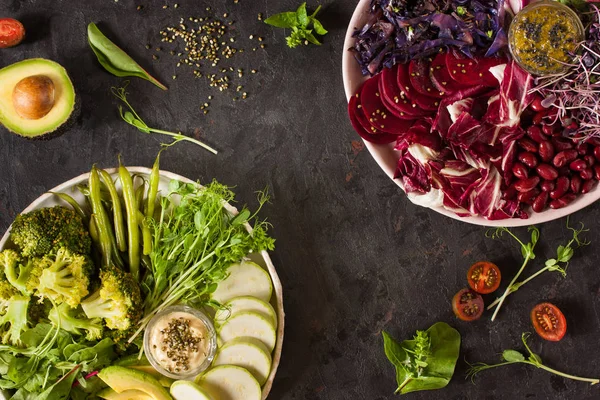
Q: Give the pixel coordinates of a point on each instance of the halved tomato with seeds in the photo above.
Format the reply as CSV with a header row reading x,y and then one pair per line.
x,y
484,277
549,322
467,305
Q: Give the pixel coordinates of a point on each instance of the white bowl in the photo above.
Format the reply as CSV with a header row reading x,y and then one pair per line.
x,y
387,157
262,258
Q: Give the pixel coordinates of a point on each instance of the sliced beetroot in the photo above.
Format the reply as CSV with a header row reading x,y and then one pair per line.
x,y
418,71
378,115
417,101
359,122
394,98
440,77
472,71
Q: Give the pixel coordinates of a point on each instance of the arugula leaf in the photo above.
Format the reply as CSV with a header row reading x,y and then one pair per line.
x,y
299,22
427,361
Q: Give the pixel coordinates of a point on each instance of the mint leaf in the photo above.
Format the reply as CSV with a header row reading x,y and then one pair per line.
x,y
302,15
283,20
318,26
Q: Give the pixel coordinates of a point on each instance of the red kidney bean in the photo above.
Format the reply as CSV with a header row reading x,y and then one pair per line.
x,y
528,145
539,204
520,171
528,159
550,130
590,160
594,141
525,185
563,201
597,172
546,150
573,125
536,104
588,186
576,184
564,171
547,186
510,193
578,165
597,152
564,157
586,174
538,118
582,148
535,133
528,197
562,186
547,171
561,143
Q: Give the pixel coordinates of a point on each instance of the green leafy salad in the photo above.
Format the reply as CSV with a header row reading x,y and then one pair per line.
x,y
79,283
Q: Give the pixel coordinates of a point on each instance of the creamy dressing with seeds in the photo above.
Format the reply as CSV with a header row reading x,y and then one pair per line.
x,y
179,342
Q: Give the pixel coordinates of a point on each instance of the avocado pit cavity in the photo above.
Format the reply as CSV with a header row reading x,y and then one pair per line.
x,y
33,97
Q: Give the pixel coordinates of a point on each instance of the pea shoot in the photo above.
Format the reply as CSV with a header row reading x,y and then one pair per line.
x,y
516,357
133,119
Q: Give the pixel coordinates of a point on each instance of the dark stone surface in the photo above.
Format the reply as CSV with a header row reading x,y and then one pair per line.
x,y
354,256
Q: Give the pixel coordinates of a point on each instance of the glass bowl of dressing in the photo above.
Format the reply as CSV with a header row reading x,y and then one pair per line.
x,y
544,36
180,342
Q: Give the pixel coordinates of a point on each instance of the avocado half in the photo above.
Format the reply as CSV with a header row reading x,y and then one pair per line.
x,y
58,109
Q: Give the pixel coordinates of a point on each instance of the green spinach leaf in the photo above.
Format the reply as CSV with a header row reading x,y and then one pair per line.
x,y
299,22
427,361
115,60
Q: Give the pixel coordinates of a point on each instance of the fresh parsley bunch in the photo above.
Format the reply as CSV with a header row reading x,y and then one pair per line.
x,y
299,22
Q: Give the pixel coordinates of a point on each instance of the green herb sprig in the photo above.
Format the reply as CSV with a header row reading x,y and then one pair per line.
x,y
564,253
115,60
526,251
516,357
132,118
299,22
427,361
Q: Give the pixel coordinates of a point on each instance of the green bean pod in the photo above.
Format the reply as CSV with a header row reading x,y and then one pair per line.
x,y
73,203
153,188
146,234
101,219
94,231
117,211
139,195
133,233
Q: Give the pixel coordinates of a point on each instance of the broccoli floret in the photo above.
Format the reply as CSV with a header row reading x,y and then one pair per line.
x,y
14,320
16,271
66,280
71,322
43,231
118,301
120,338
38,310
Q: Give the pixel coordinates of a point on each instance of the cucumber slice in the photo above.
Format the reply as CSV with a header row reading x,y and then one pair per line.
x,y
245,279
247,353
228,382
186,390
249,324
245,303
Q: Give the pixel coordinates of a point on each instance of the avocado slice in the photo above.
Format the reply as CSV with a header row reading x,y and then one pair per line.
x,y
132,394
37,98
121,379
149,369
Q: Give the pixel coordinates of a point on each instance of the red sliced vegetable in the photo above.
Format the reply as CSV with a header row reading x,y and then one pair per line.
x,y
418,71
440,77
12,32
467,305
472,71
549,322
377,114
419,100
394,98
484,277
359,123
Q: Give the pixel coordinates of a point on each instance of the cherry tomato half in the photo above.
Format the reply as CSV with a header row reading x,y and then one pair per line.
x,y
12,32
549,322
467,305
484,277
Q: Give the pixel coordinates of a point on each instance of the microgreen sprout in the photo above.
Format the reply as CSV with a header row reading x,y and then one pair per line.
x,y
559,264
132,118
516,357
526,251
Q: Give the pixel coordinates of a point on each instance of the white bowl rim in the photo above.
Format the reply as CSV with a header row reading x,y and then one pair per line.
x,y
384,154
277,287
